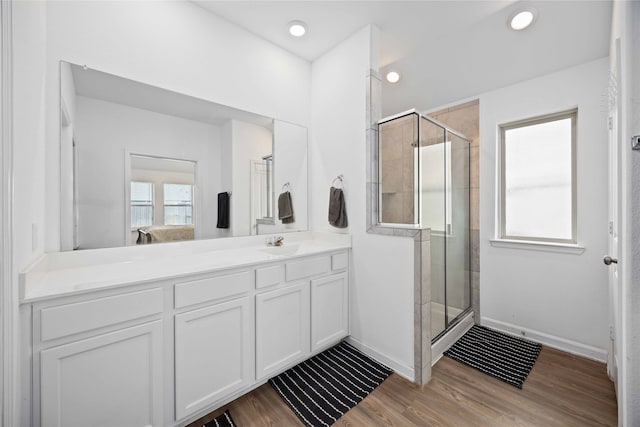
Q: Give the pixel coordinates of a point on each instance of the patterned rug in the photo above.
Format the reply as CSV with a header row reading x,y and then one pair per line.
x,y
323,388
223,420
500,355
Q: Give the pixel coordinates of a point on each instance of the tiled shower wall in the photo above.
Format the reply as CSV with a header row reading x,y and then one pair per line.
x,y
465,118
397,139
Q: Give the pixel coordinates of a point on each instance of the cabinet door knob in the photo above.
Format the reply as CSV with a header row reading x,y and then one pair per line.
x,y
608,260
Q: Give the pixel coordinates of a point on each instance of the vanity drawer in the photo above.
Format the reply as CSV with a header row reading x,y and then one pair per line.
x,y
339,261
212,288
268,276
69,319
307,268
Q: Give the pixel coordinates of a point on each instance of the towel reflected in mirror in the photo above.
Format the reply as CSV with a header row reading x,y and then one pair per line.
x,y
285,208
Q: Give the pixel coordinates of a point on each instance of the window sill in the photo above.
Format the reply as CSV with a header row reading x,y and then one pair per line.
x,y
567,248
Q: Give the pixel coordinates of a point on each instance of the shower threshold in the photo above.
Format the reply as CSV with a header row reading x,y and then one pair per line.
x,y
446,339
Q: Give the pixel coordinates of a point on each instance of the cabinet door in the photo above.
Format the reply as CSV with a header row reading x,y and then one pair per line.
x,y
214,354
113,379
282,328
329,310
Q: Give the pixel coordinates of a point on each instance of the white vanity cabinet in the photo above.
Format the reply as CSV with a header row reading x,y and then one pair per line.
x,y
94,381
92,367
300,312
214,355
329,310
166,351
282,328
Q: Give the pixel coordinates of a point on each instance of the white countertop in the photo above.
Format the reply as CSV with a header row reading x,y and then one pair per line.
x,y
68,273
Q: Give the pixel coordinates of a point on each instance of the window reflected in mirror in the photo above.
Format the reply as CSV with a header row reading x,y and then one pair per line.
x,y
161,199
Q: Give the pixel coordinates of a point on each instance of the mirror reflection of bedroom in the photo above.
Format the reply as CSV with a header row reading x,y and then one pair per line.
x,y
161,199
143,165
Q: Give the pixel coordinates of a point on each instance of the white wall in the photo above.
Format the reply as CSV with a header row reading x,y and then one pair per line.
x,y
248,142
105,133
559,298
174,45
29,91
29,37
382,267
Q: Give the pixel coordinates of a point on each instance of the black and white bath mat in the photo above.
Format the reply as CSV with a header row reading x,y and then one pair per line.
x,y
502,356
223,420
323,388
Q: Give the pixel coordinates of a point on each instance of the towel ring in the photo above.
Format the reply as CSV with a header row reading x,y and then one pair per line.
x,y
340,179
286,186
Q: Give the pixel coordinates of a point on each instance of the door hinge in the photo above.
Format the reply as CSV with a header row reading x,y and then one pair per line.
x,y
612,336
610,123
611,227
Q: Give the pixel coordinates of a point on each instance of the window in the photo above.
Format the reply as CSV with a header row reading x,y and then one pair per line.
x,y
141,204
178,204
538,188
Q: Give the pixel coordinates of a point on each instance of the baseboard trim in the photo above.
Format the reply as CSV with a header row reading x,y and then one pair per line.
x,y
448,339
563,344
399,368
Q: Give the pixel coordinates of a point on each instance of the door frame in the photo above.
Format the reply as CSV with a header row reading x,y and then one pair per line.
x,y
615,217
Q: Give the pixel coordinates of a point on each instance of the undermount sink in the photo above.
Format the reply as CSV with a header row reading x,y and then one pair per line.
x,y
281,250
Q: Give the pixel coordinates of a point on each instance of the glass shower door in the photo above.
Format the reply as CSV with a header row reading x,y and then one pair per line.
x,y
433,215
458,290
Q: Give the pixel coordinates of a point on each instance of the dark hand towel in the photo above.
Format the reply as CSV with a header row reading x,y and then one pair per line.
x,y
223,210
285,208
337,208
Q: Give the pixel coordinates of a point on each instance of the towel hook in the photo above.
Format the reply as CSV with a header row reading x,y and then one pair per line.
x,y
339,178
286,186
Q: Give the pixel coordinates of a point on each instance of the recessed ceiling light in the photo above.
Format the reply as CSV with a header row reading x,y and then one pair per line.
x,y
297,28
522,19
393,77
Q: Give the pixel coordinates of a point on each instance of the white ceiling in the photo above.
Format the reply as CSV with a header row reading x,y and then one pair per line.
x,y
444,50
108,87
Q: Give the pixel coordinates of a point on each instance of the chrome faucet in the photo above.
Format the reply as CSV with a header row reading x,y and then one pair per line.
x,y
275,241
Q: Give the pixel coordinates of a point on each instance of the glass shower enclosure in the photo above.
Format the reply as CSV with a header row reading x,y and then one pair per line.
x,y
424,184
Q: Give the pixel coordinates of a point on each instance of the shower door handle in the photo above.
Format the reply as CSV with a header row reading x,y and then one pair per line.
x,y
608,260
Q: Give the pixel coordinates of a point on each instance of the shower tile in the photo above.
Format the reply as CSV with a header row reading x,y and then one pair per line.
x,y
372,156
392,209
418,268
384,231
390,142
408,214
376,104
475,296
475,167
475,208
475,250
426,336
408,176
391,176
425,282
409,136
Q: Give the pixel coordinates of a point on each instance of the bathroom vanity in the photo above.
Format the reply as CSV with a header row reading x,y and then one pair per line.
x,y
161,335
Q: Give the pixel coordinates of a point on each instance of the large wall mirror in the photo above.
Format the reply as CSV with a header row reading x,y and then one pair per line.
x,y
144,165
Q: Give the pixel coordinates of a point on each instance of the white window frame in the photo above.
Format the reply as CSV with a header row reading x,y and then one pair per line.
x,y
153,205
502,236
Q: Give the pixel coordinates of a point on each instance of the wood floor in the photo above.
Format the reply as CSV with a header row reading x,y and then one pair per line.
x,y
561,390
